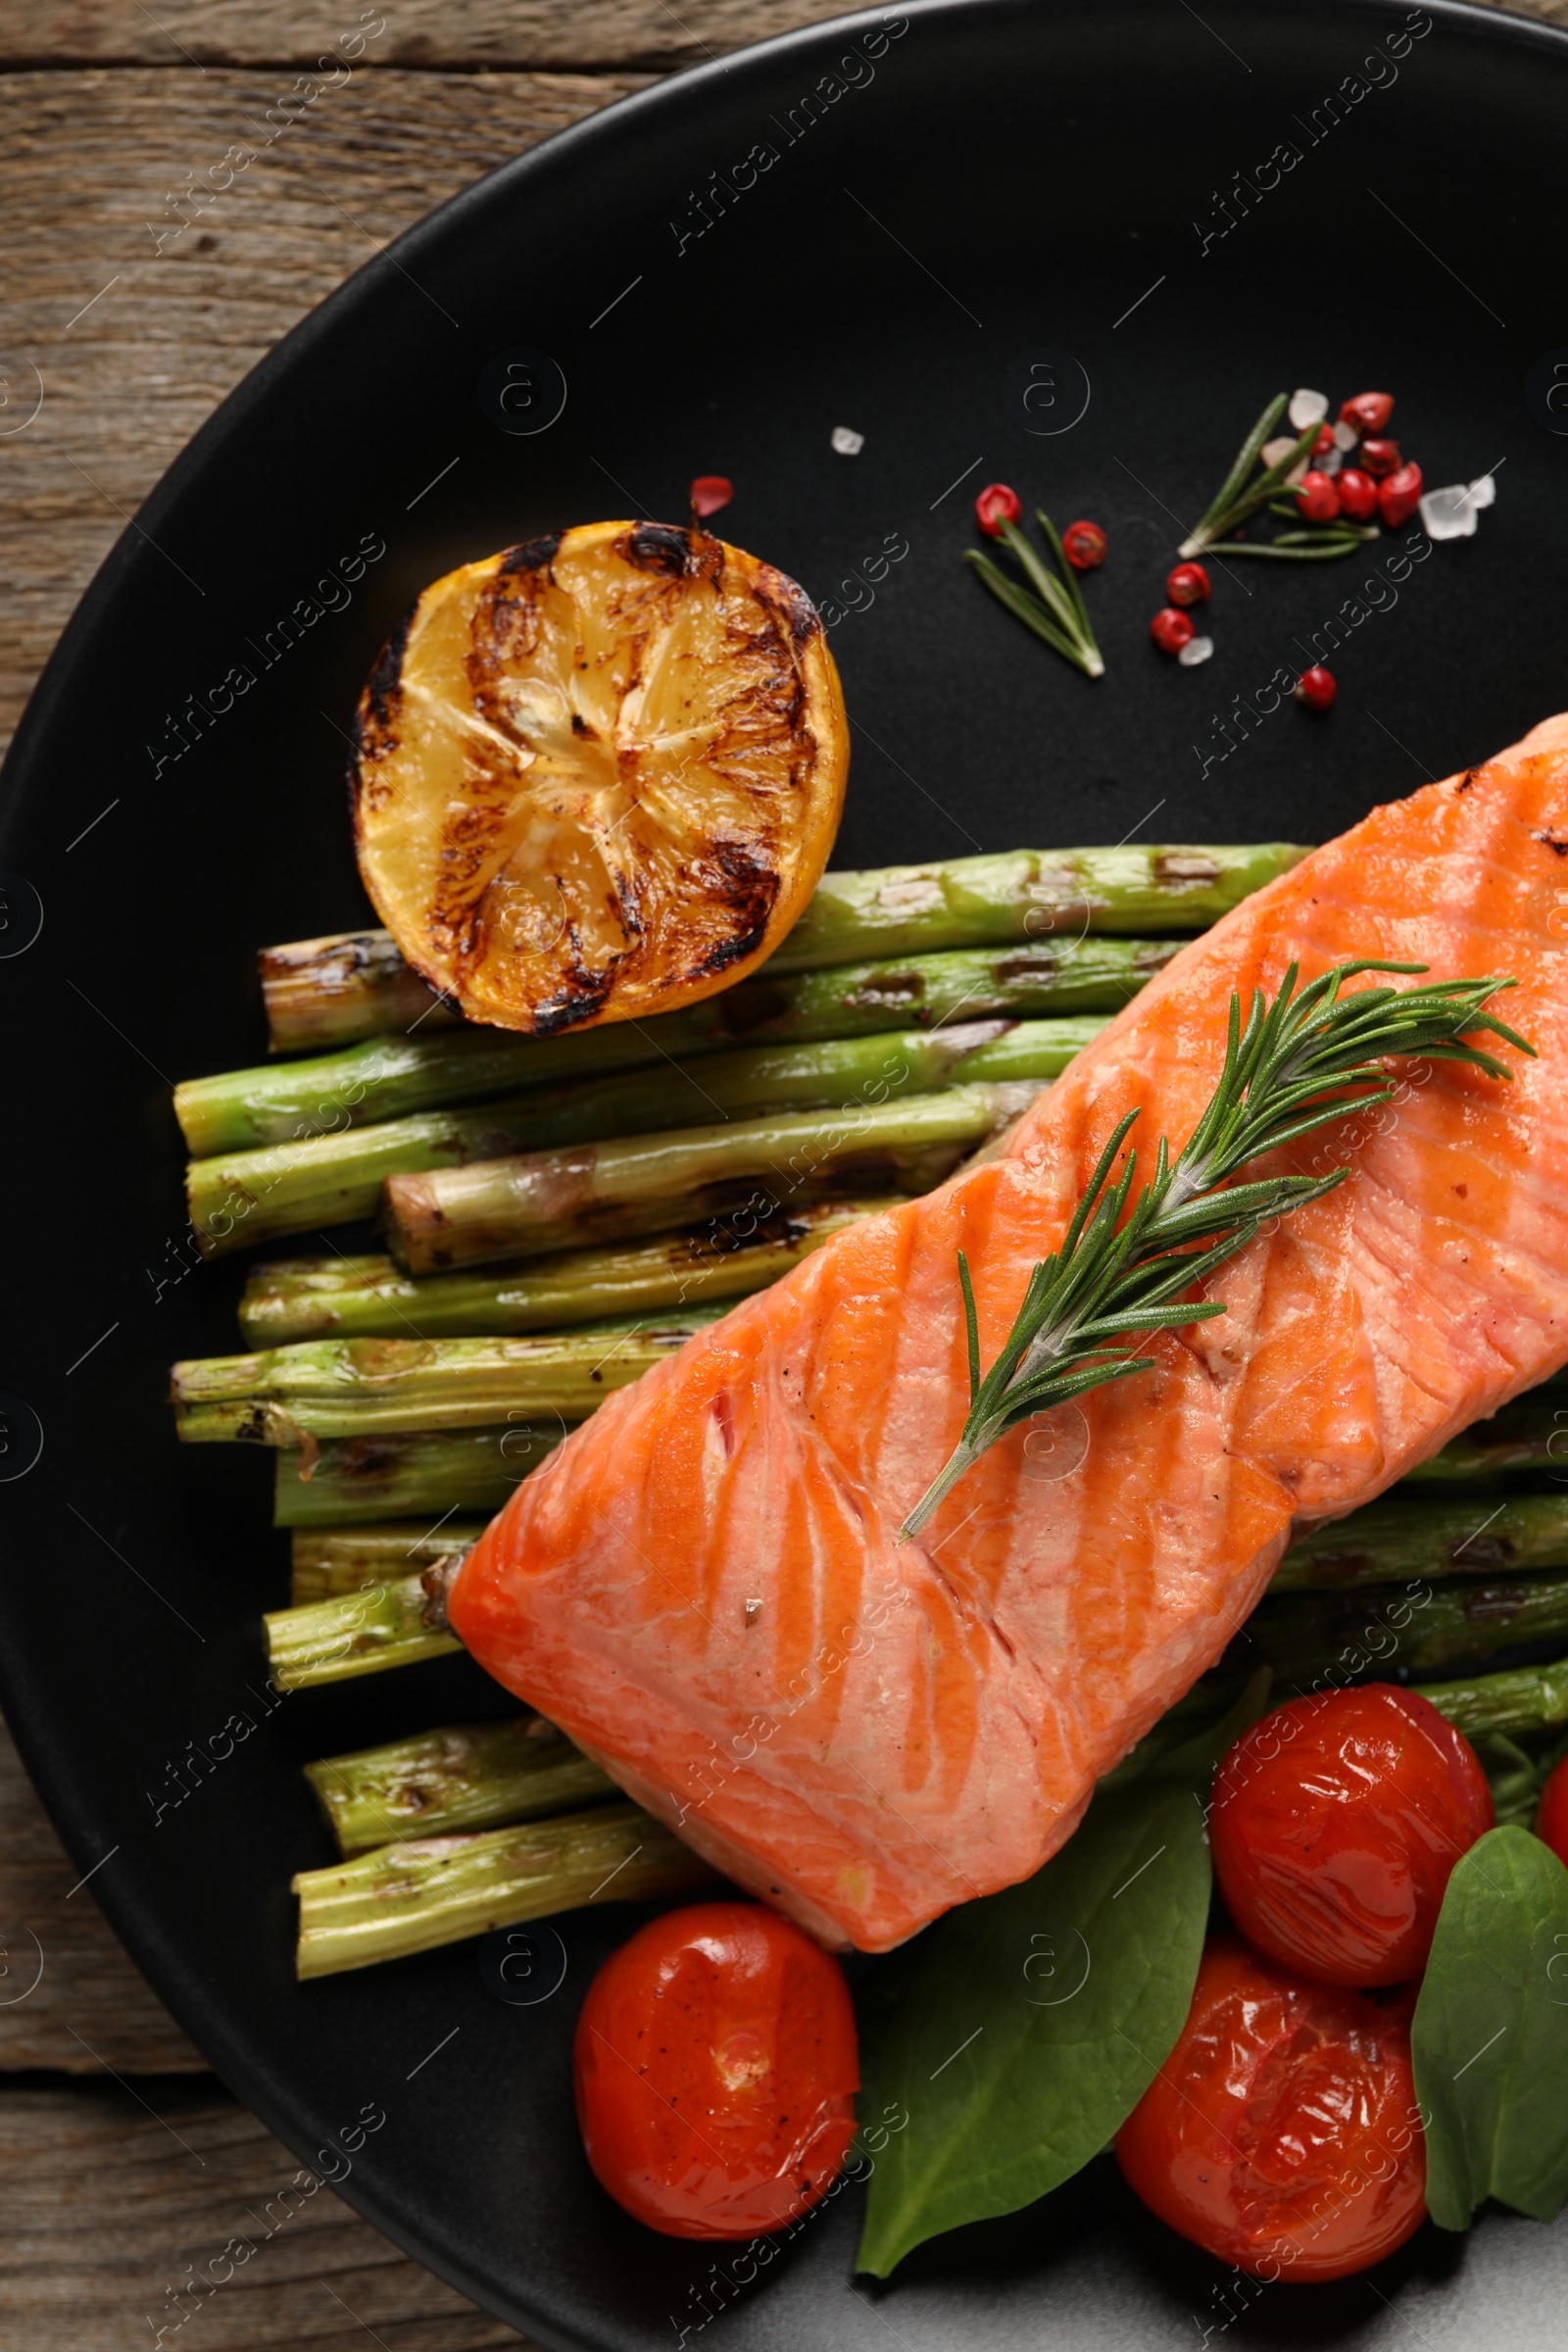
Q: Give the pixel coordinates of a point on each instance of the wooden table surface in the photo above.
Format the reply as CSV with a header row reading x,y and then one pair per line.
x,y
122,2159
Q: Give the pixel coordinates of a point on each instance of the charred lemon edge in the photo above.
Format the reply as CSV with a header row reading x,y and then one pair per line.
x,y
830,728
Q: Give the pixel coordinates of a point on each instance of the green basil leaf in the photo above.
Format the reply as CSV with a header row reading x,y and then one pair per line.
x,y
1490,2035
1033,2020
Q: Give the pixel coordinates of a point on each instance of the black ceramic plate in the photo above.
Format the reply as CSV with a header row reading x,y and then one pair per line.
x,y
883,225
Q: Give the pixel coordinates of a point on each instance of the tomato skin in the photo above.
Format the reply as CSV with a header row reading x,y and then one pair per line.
x,y
1551,1814
1282,2133
716,2067
1336,1823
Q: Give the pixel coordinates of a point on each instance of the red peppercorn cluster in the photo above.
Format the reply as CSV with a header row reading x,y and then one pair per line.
x,y
1379,483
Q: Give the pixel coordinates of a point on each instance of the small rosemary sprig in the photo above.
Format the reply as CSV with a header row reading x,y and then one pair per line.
x,y
1236,500
1285,1073
1057,611
1319,543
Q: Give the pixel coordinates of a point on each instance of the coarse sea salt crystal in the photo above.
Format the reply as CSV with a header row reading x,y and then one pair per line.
x,y
1450,512
1330,462
1196,650
1307,407
1483,492
1345,435
1272,450
847,441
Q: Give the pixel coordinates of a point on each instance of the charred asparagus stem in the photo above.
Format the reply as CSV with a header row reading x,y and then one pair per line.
x,y
1416,1535
357,1633
368,1388
322,991
517,1208
1412,1627
395,1077
426,1891
414,1896
1024,894
1527,1439
432,1471
246,1197
368,1297
1518,1704
1335,1592
1402,1536
467,1777
477,1469
482,1775
329,991
332,1561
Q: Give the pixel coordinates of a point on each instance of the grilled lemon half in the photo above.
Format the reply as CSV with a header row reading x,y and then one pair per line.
x,y
599,775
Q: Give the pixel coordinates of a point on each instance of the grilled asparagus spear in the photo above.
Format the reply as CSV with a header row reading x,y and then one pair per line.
x,y
433,1069
539,1201
370,1388
329,1561
426,1891
471,1775
366,1298
355,984
417,1894
432,1471
241,1197
477,1469
1423,1534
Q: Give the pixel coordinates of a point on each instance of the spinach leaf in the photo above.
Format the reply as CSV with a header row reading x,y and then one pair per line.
x,y
1033,2020
1490,2035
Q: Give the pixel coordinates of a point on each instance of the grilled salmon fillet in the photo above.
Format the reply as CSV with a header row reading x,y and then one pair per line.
x,y
705,1584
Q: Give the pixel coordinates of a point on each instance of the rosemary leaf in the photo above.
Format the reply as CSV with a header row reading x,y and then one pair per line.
x,y
1246,458
1023,607
1238,499
1054,608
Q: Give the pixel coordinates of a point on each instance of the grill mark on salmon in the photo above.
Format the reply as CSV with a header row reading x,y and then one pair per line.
x,y
907,1725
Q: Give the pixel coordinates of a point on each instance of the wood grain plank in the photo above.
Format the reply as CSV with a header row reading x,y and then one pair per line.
x,y
69,1997
595,35
539,33
131,346
172,2208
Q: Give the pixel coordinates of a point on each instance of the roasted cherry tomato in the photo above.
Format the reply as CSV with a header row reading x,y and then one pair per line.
x,y
1380,456
1551,1814
1336,1823
716,2072
1282,2132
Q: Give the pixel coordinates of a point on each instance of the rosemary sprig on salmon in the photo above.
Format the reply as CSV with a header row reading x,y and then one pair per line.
x,y
1286,1072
